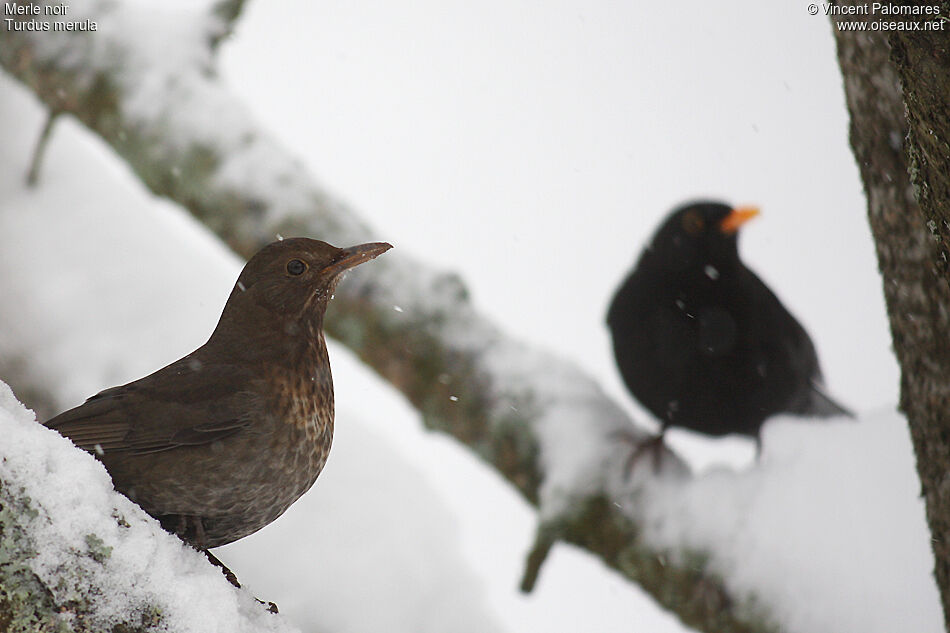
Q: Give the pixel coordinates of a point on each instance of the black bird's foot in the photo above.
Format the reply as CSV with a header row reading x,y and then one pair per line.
x,y
653,445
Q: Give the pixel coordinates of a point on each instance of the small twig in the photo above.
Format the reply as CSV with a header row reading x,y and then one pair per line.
x,y
33,174
543,541
228,11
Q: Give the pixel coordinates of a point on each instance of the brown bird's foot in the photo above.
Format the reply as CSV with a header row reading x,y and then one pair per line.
x,y
232,578
653,445
190,529
224,568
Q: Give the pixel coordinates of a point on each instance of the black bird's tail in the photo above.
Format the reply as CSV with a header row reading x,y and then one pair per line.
x,y
821,405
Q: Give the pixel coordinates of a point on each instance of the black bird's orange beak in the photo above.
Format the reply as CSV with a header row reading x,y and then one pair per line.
x,y
739,216
356,255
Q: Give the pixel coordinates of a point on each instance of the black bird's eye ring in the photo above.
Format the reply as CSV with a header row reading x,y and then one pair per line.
x,y
296,267
693,223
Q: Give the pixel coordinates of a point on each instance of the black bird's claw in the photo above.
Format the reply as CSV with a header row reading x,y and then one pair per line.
x,y
640,446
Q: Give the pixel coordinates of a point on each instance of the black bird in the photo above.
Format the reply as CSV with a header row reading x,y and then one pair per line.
x,y
702,342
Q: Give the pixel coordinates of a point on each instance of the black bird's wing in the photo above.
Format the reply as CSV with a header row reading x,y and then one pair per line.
x,y
184,404
792,342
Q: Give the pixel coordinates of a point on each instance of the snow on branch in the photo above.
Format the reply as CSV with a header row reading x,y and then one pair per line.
x,y
145,83
76,555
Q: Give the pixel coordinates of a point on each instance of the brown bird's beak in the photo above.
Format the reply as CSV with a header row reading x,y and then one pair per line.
x,y
739,216
355,255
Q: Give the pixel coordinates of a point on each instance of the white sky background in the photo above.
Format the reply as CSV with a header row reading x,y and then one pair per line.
x,y
534,147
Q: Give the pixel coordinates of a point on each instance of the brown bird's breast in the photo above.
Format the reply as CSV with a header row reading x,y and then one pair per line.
x,y
294,452
301,440
243,482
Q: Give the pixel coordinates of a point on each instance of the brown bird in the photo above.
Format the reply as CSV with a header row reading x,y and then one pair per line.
x,y
220,443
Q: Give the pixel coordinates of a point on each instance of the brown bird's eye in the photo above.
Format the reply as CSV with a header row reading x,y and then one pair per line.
x,y
693,223
296,267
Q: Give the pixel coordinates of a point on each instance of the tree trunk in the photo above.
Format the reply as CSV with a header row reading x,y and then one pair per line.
x,y
905,166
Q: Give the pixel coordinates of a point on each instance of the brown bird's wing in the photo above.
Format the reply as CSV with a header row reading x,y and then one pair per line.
x,y
184,404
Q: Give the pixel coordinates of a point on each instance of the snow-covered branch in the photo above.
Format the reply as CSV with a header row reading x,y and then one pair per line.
x,y
78,556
